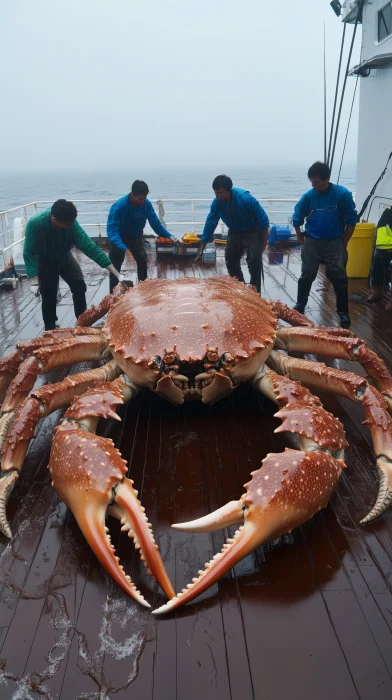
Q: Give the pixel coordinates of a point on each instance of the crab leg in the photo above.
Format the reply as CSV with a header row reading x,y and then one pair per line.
x,y
88,317
291,316
88,473
10,364
44,354
21,430
318,376
345,348
285,492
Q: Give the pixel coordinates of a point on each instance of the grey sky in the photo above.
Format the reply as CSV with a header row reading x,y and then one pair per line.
x,y
102,83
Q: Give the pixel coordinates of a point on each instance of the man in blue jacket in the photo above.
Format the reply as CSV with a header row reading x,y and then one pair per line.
x,y
126,221
248,228
330,215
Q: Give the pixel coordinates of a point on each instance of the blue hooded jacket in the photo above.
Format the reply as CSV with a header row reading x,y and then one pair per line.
x,y
242,213
327,213
125,220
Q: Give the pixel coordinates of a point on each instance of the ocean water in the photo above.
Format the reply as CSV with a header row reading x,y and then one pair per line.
x,y
19,188
187,183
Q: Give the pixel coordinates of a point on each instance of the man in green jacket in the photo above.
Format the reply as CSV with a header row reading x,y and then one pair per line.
x,y
47,255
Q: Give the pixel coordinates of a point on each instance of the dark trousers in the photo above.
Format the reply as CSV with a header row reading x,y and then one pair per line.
x,y
333,254
381,268
48,279
135,245
237,244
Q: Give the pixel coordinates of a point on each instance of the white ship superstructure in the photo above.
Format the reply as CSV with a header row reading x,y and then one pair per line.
x,y
375,102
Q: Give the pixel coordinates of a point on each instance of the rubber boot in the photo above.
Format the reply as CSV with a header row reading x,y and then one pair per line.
x,y
304,287
341,291
376,295
388,305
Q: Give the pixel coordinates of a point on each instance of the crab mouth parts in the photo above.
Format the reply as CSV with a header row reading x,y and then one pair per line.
x,y
193,377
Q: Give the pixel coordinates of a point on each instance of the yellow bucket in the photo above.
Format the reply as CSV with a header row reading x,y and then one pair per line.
x,y
360,250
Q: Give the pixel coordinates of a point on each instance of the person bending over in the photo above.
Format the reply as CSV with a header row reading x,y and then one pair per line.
x,y
126,221
248,228
47,255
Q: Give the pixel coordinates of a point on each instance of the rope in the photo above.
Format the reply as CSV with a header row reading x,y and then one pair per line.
x,y
366,202
161,212
348,128
336,91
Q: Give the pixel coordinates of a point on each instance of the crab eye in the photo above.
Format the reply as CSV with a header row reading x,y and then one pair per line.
x,y
169,358
227,358
158,361
213,356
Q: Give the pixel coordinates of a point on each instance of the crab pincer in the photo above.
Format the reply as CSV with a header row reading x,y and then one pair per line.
x,y
285,492
88,474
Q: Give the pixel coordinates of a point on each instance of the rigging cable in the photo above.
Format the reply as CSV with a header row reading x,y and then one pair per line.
x,y
325,103
359,15
348,128
336,92
368,198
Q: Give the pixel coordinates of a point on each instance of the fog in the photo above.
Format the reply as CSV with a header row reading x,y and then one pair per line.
x,y
98,84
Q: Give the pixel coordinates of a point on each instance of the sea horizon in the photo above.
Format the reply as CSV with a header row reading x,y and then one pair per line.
x,y
187,182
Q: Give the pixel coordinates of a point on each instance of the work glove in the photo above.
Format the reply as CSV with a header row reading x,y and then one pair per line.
x,y
34,287
177,240
120,277
125,281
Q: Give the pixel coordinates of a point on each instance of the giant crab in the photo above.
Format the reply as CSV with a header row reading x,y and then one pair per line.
x,y
190,339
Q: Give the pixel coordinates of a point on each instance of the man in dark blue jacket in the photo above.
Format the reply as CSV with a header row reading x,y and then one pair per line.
x,y
248,228
126,221
330,215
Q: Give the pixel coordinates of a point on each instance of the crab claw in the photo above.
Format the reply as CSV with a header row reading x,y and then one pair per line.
x,y
7,483
134,521
380,425
288,490
88,473
227,516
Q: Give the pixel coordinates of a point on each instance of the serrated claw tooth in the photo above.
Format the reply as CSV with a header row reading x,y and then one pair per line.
x,y
140,530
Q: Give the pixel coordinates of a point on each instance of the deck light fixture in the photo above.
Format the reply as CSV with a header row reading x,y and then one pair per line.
x,y
337,7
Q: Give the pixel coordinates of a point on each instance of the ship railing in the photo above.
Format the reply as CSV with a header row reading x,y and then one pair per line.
x,y
180,215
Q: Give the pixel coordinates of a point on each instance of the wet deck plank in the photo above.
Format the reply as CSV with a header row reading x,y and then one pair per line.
x,y
310,617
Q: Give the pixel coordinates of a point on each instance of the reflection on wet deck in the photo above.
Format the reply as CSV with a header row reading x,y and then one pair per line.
x,y
309,618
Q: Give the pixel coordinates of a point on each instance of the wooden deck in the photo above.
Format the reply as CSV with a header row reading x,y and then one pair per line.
x,y
309,618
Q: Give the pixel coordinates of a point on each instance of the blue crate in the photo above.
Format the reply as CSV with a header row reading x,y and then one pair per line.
x,y
209,254
278,234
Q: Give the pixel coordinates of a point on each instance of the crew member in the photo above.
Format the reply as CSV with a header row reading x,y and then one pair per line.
x,y
380,274
47,255
248,228
330,216
126,221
